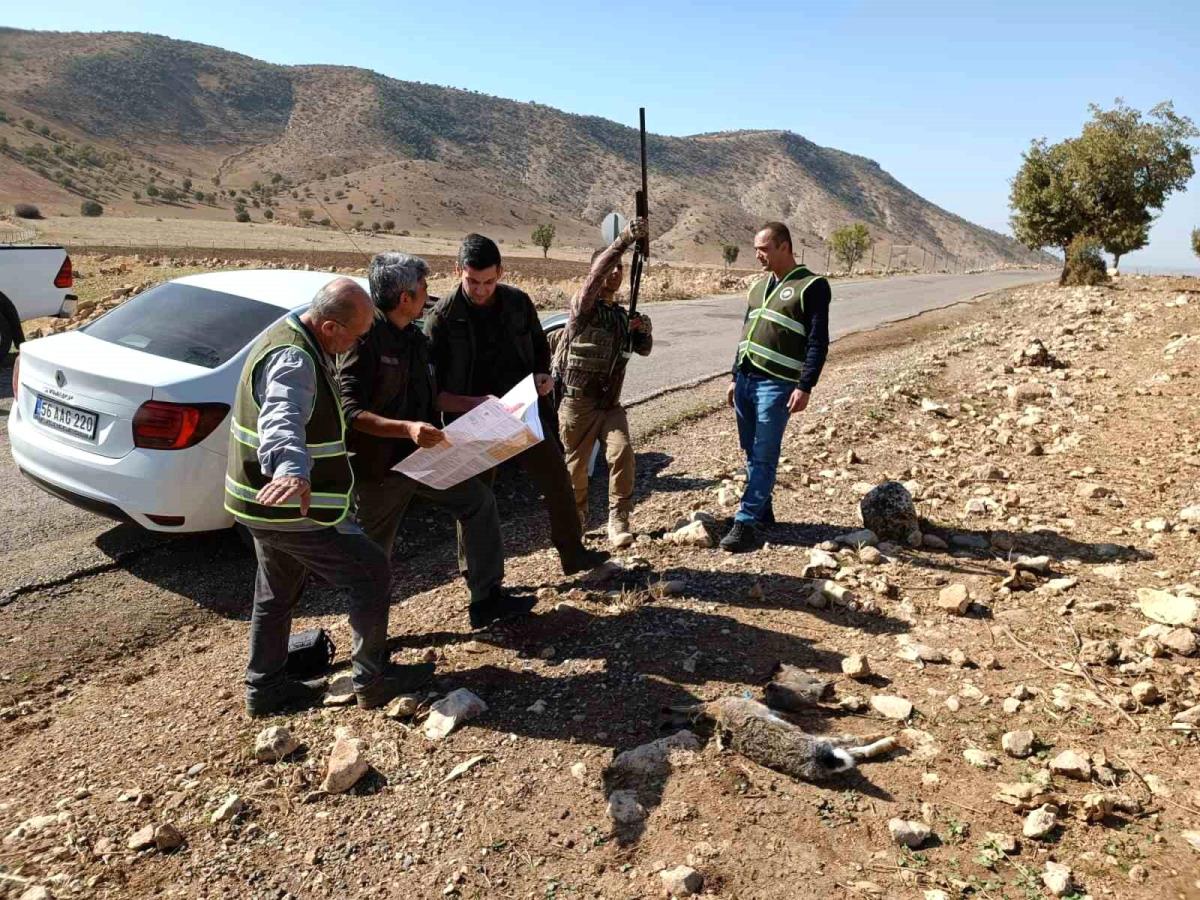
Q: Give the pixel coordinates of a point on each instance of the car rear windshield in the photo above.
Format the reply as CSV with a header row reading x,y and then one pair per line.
x,y
186,323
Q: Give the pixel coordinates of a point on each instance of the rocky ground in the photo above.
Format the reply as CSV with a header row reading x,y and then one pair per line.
x,y
1031,649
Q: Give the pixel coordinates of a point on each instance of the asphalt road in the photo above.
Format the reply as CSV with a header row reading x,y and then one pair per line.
x,y
696,338
46,541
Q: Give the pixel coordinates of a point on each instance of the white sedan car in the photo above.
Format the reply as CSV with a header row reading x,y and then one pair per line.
x,y
128,416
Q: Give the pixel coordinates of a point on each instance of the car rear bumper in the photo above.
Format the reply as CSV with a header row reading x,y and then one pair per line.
x,y
184,483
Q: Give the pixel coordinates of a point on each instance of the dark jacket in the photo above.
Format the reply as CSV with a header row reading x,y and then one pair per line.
x,y
453,342
389,374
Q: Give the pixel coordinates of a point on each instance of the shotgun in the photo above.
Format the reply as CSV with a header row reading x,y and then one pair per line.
x,y
641,250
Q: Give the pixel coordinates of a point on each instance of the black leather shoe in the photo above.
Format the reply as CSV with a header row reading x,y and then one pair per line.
x,y
394,681
288,695
500,605
742,538
584,560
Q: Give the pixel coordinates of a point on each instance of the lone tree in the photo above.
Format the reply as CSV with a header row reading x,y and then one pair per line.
x,y
1196,241
850,243
90,208
729,253
306,213
543,236
1109,182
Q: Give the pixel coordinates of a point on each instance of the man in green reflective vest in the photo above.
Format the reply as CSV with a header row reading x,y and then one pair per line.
x,y
785,337
290,483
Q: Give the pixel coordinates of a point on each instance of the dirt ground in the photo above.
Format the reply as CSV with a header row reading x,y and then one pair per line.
x,y
120,695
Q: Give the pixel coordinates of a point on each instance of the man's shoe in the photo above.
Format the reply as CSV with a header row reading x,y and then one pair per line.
x,y
394,681
768,516
288,695
583,560
500,605
619,533
742,538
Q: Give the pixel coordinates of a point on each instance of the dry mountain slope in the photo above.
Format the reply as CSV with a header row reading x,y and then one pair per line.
x,y
424,156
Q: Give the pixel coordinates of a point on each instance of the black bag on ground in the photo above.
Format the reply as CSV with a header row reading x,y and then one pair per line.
x,y
310,653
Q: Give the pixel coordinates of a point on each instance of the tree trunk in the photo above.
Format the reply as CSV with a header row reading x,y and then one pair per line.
x,y
1116,262
545,253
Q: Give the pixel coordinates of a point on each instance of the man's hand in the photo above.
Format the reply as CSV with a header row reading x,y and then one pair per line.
x,y
424,435
544,384
638,322
798,401
281,490
729,393
636,230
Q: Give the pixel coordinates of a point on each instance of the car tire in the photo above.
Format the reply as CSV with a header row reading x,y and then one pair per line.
x,y
6,339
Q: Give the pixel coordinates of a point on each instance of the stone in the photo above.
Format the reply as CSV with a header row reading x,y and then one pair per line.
x,y
1189,716
863,537
681,881
963,541
954,599
959,658
347,763
1095,808
1089,490
907,833
228,810
1058,586
1145,693
870,556
1072,765
1192,839
167,838
340,691
35,892
1190,514
451,711
922,653
403,707
1018,744
1040,822
856,666
463,768
820,561
141,839
1038,564
1011,705
1157,525
888,510
1057,878
953,703
1168,608
1181,641
1099,653
655,759
32,826
579,771
933,542
980,759
624,808
537,707
892,707
274,743
1139,874
1005,843
694,534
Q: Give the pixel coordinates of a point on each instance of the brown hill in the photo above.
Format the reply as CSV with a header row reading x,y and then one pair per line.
x,y
152,126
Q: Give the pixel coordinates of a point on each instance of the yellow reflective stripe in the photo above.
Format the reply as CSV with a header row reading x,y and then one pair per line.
x,y
244,435
766,353
249,494
323,451
779,319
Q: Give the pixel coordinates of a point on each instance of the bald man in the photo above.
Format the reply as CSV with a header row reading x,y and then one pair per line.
x,y
289,482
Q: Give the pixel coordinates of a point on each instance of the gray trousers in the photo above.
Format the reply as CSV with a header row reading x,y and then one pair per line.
x,y
343,556
381,506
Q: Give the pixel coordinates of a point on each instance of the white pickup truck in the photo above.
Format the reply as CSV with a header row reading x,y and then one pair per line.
x,y
35,281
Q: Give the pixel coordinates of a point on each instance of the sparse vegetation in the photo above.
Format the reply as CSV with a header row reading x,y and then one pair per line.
x,y
850,243
90,208
389,225
269,215
242,215
1196,241
27,211
543,236
305,213
729,253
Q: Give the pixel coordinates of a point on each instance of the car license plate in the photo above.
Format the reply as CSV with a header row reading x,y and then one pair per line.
x,y
65,418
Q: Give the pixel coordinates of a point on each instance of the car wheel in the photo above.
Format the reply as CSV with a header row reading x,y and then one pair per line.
x,y
6,339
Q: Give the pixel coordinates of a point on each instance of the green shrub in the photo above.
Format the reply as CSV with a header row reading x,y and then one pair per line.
x,y
389,225
269,215
241,216
1085,263
91,208
27,211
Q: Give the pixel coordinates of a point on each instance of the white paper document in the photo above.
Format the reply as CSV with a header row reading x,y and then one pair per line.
x,y
476,441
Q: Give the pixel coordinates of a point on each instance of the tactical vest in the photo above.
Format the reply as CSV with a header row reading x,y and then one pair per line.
x,y
331,478
774,338
596,355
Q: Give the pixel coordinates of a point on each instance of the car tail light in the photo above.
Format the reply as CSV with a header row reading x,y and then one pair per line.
x,y
65,277
16,377
158,425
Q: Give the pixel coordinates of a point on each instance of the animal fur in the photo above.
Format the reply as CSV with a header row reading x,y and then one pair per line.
x,y
753,730
795,690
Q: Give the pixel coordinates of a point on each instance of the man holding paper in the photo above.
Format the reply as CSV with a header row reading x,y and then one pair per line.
x,y
389,400
486,339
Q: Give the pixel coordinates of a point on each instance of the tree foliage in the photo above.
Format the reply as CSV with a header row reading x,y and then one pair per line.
x,y
543,236
1108,182
90,208
1084,264
850,243
729,253
1196,241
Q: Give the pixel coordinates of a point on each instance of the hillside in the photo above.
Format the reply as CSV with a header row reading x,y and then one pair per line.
x,y
155,127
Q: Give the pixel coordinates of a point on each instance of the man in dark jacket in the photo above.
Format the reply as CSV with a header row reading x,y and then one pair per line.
x,y
486,338
389,401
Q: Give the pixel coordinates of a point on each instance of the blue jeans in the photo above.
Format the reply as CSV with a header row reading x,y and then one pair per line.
x,y
761,405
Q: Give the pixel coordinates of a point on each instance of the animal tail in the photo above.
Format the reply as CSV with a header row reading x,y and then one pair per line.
x,y
834,759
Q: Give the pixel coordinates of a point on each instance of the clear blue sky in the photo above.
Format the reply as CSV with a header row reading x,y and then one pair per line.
x,y
944,96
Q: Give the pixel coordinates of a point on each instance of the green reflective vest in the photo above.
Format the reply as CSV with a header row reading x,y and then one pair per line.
x,y
325,439
774,339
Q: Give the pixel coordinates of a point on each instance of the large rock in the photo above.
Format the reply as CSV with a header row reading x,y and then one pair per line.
x,y
1058,879
1018,744
1168,608
1040,822
452,710
681,881
954,599
1072,765
892,707
656,758
888,510
694,534
347,763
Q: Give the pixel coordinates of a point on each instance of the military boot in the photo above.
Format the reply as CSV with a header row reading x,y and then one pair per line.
x,y
619,534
